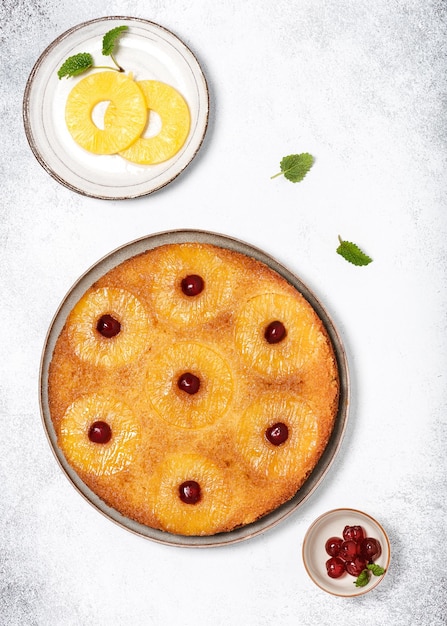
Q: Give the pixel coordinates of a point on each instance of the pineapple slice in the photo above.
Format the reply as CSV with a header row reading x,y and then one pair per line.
x,y
183,405
300,343
203,514
175,123
99,459
125,123
129,325
295,456
175,264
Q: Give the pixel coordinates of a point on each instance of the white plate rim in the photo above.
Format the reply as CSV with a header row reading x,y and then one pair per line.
x,y
127,251
196,139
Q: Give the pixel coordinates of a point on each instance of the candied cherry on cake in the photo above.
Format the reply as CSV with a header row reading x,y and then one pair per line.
x,y
190,383
353,533
189,492
335,567
333,545
277,434
192,285
275,332
370,548
108,326
100,432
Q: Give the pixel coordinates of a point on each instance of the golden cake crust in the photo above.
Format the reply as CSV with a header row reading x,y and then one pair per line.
x,y
215,437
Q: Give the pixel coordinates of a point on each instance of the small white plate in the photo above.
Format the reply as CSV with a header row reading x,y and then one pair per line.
x,y
331,524
149,51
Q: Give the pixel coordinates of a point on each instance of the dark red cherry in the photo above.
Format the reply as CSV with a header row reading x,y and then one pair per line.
x,y
356,566
353,533
275,332
189,492
100,432
333,546
335,567
348,550
108,326
370,548
189,383
192,285
277,434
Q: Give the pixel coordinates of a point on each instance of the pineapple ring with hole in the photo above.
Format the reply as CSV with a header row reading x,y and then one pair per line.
x,y
103,459
178,407
173,110
301,343
210,512
292,458
125,123
89,345
171,265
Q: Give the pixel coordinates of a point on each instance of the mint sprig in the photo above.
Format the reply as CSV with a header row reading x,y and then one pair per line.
x,y
352,253
83,61
295,166
364,577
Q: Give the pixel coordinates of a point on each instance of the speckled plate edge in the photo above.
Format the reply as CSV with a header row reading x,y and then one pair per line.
x,y
142,189
200,236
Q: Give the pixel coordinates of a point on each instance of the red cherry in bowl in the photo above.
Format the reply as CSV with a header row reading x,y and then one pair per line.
x,y
353,533
348,550
335,567
370,548
333,545
356,566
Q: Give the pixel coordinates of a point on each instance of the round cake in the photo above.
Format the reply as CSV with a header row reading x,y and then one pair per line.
x,y
193,389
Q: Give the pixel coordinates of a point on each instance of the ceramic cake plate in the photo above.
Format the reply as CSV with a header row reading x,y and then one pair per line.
x,y
197,236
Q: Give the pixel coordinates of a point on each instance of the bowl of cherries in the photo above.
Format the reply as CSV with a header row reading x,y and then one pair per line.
x,y
346,552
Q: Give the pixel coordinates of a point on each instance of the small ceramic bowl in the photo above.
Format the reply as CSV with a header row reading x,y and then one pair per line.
x,y
331,524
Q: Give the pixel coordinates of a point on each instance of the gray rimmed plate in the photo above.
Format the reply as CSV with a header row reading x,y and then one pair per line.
x,y
148,50
138,247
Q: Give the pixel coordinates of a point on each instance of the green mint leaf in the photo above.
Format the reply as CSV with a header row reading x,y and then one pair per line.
x,y
295,166
377,570
352,253
363,579
75,65
110,40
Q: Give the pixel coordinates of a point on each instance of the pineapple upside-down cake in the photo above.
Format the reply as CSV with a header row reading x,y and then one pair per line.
x,y
193,389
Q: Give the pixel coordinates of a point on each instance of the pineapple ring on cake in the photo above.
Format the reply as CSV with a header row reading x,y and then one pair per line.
x,y
100,457
176,268
175,118
283,355
125,123
190,495
124,314
190,385
277,436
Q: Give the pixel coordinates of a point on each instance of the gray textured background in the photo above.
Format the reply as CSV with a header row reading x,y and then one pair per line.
x,y
362,86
